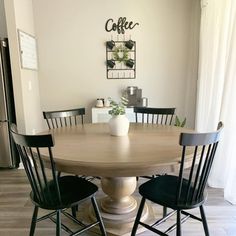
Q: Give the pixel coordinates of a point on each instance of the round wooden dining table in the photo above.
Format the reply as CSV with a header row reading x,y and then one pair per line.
x,y
90,150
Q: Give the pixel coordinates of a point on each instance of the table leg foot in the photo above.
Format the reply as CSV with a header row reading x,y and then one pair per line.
x,y
125,205
122,224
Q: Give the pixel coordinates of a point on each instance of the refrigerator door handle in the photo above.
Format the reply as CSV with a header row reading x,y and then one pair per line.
x,y
3,121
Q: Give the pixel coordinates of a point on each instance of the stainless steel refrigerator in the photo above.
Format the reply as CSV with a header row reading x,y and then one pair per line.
x,y
8,154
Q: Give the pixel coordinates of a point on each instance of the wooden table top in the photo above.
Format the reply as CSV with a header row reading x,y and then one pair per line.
x,y
89,149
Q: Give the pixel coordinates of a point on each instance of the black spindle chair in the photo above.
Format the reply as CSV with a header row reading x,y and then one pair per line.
x,y
150,115
182,193
50,191
162,116
62,118
56,119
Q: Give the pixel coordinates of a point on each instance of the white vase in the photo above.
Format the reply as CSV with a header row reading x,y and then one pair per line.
x,y
119,125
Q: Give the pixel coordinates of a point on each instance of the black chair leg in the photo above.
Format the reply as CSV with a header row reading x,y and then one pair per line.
x,y
98,216
164,211
34,221
139,214
204,222
73,211
58,224
178,230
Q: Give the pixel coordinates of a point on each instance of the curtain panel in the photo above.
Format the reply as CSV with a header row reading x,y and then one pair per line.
x,y
216,96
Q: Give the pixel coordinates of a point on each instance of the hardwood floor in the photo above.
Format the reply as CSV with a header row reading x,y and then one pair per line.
x,y
16,211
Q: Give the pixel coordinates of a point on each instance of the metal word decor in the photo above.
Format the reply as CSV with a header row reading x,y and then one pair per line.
x,y
121,25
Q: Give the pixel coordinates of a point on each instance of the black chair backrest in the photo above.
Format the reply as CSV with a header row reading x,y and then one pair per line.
x,y
56,119
191,188
162,116
44,183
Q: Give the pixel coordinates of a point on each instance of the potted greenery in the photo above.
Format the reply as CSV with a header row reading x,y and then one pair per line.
x,y
118,124
179,123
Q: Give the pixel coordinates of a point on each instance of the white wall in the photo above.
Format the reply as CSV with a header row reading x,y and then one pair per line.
x,y
19,15
3,27
71,39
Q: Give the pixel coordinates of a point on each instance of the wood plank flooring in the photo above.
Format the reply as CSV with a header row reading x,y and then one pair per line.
x,y
16,211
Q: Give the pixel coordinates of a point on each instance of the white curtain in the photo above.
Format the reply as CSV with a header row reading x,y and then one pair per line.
x,y
217,88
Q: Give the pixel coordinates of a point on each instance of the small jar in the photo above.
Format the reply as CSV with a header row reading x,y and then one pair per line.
x,y
99,103
107,103
144,102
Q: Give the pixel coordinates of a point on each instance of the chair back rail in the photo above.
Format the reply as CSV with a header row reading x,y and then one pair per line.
x,y
154,115
191,188
56,119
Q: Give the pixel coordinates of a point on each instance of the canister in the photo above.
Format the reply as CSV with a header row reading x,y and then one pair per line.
x,y
144,102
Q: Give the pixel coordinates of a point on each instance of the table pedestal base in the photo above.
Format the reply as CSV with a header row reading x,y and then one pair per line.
x,y
121,225
119,207
125,206
118,191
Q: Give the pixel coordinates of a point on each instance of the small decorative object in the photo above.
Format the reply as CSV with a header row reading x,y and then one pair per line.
x,y
107,103
129,44
130,63
99,102
110,44
179,123
118,124
121,53
111,63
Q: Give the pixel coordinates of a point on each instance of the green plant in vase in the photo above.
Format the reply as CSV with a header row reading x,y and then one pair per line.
x,y
118,124
118,108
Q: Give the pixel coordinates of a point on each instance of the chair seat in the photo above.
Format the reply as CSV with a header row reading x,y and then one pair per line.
x,y
72,189
163,189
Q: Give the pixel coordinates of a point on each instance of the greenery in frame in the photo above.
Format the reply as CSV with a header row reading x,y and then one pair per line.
x,y
179,123
121,53
118,108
